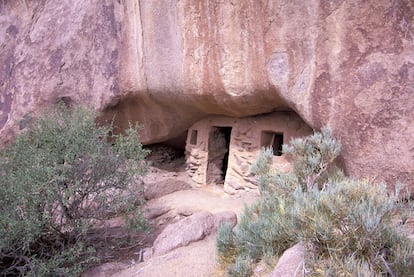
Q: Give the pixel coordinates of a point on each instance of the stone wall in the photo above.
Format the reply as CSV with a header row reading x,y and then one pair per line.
x,y
246,140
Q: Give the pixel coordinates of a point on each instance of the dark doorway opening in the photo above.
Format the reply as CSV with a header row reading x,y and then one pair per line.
x,y
168,155
218,154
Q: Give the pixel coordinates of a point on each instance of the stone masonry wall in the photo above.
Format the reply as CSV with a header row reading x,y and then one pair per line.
x,y
245,144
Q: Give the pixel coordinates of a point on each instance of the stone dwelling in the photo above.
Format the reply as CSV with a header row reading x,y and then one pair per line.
x,y
221,149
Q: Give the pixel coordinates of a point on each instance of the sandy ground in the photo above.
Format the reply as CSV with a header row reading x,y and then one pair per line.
x,y
196,259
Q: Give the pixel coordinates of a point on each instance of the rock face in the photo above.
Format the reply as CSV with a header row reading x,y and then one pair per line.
x,y
56,50
169,63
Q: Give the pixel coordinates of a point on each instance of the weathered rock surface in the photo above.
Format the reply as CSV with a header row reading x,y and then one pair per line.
x,y
56,50
195,260
154,211
291,263
164,187
168,63
193,228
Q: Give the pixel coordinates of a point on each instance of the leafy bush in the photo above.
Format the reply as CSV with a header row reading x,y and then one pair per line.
x,y
348,227
58,179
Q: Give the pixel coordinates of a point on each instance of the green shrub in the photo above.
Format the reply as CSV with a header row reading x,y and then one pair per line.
x,y
59,178
347,226
242,267
225,242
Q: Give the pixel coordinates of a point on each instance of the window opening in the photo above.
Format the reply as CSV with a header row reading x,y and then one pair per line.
x,y
274,140
193,138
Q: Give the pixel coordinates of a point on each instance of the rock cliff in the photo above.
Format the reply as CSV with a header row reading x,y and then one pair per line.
x,y
169,63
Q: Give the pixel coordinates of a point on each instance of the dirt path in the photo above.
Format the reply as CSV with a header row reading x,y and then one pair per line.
x,y
196,259
209,198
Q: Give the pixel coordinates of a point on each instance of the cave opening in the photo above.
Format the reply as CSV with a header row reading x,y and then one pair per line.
x,y
169,154
218,154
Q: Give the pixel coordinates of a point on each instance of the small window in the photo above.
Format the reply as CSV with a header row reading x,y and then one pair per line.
x,y
193,138
275,140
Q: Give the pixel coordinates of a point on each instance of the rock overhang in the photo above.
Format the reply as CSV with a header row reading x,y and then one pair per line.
x,y
347,64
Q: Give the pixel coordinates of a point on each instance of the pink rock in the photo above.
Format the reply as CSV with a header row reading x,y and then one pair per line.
x,y
193,228
291,263
335,63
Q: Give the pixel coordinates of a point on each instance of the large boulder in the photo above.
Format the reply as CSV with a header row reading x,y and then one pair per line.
x,y
168,63
164,187
190,229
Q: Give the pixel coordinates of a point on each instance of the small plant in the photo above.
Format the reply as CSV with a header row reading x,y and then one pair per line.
x,y
225,243
58,179
348,227
242,267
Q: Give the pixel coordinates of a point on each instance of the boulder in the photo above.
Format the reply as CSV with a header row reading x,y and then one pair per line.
x,y
224,217
152,211
164,187
291,263
193,228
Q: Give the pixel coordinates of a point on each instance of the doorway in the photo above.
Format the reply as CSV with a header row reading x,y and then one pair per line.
x,y
218,154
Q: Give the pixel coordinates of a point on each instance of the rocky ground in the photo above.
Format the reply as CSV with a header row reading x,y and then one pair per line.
x,y
184,218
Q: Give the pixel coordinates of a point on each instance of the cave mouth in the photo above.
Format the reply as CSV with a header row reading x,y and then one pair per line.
x,y
168,155
218,154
